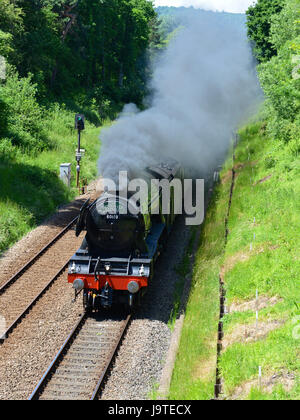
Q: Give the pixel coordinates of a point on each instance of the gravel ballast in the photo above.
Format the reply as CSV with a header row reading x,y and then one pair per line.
x,y
26,354
140,361
25,249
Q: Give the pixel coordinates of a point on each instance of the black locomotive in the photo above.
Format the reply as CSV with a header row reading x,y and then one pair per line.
x,y
124,238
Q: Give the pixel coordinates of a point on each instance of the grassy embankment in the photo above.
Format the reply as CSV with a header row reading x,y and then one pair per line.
x,y
30,188
262,254
195,369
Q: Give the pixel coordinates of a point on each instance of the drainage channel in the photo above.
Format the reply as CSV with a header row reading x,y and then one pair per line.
x,y
218,385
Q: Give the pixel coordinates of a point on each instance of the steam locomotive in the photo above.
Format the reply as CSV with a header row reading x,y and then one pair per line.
x,y
115,262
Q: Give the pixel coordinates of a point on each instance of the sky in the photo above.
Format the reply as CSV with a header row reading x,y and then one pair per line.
x,y
233,6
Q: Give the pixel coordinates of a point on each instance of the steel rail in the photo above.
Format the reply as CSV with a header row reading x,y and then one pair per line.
x,y
42,383
33,302
50,372
15,277
110,359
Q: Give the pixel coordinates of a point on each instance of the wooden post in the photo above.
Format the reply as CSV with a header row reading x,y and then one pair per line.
x,y
259,377
256,311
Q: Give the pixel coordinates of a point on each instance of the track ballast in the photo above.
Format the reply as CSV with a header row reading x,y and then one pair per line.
x,y
80,367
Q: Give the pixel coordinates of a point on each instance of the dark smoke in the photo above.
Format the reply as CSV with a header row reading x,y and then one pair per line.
x,y
204,86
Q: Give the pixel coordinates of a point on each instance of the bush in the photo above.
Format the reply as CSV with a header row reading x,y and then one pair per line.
x,y
285,26
4,115
259,27
7,150
277,76
22,113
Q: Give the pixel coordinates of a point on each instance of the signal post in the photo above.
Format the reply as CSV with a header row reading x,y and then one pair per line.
x,y
79,125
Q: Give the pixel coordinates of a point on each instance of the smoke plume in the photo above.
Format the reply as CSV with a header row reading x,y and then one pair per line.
x,y
204,86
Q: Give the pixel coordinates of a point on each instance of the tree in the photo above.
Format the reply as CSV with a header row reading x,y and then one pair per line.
x,y
84,48
259,25
11,25
286,24
278,77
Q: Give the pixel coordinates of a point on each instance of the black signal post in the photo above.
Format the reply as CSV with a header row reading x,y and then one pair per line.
x,y
79,125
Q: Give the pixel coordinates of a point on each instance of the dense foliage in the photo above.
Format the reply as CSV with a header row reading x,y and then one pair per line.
x,y
70,45
280,77
62,57
259,26
91,55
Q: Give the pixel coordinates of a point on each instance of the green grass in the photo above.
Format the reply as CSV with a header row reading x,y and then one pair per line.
x,y
262,253
194,375
279,393
273,265
153,393
182,269
276,353
30,188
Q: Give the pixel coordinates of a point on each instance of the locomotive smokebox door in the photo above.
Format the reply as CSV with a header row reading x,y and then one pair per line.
x,y
79,122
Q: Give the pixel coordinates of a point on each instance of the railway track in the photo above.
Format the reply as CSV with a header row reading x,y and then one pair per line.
x,y
22,291
79,369
17,275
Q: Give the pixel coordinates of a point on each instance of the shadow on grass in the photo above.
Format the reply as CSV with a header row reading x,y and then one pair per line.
x,y
38,190
28,195
4,115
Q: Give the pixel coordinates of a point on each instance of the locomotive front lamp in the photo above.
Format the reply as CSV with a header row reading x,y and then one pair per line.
x,y
107,268
73,268
142,270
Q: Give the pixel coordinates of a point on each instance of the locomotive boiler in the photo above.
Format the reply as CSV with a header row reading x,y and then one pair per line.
x,y
115,262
